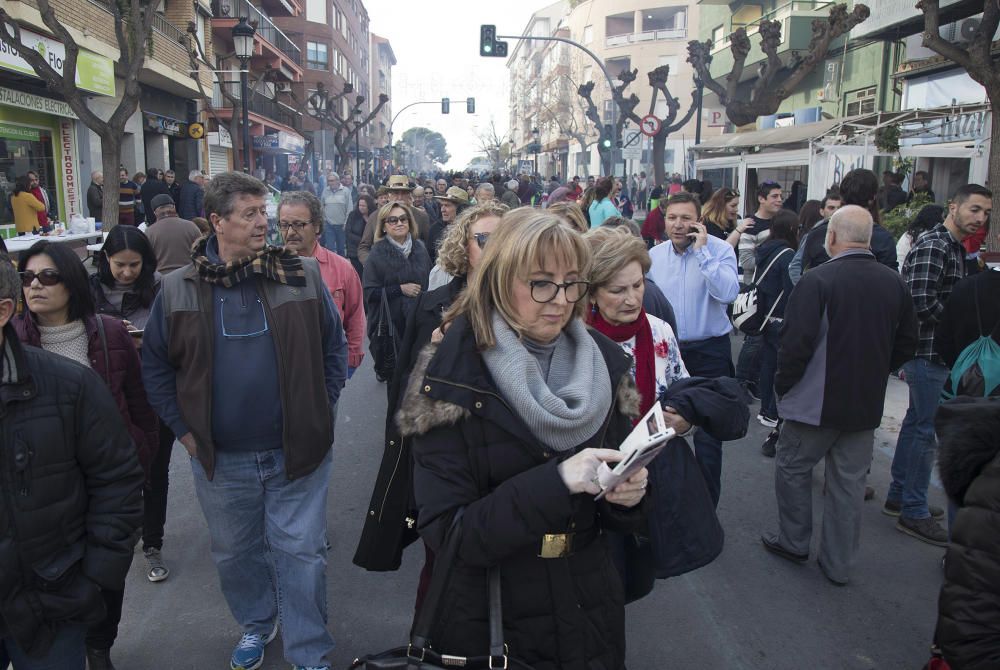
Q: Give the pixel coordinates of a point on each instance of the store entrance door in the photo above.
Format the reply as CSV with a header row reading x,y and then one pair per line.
x,y
22,149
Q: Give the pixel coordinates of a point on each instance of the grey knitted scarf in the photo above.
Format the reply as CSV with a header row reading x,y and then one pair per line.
x,y
567,409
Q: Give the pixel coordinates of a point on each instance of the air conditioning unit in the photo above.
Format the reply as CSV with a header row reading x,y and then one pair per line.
x,y
967,29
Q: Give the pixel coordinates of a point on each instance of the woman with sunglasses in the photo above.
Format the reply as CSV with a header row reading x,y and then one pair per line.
x,y
721,216
59,316
385,536
510,417
396,268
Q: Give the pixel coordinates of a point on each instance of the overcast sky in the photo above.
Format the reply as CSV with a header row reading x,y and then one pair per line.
x,y
437,55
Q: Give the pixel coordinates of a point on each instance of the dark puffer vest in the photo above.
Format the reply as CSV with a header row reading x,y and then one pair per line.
x,y
470,450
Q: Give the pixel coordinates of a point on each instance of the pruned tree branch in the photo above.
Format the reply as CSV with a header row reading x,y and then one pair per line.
x,y
769,90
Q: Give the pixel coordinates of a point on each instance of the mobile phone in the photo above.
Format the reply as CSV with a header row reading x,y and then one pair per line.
x,y
136,333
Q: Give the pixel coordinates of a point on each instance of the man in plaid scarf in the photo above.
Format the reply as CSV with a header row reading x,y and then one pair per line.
x,y
244,358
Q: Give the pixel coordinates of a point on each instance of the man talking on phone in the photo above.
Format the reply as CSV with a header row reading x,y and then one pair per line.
x,y
698,274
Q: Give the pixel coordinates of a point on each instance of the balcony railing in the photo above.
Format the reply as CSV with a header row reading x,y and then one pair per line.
x,y
258,105
647,36
234,9
169,30
779,14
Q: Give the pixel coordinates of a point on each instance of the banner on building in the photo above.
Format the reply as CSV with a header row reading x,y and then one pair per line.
x,y
68,168
94,73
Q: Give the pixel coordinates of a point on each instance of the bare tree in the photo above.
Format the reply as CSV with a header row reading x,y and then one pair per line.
x,y
669,124
976,57
326,107
765,96
491,142
569,119
133,20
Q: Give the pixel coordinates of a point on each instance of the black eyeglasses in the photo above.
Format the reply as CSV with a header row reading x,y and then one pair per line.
x,y
297,226
481,239
393,220
46,277
543,290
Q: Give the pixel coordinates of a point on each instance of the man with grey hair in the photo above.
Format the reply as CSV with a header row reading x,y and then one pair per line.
x,y
509,196
95,195
192,200
485,193
259,434
831,383
337,205
69,527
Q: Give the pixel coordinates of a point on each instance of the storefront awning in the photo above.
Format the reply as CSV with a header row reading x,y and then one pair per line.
x,y
770,137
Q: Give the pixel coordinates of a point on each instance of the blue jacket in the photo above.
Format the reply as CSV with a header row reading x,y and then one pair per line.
x,y
192,202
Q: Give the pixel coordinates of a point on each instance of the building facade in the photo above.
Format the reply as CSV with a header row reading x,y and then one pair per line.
x,y
382,61
624,35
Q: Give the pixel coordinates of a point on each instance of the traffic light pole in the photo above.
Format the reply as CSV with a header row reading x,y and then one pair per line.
x,y
607,76
392,160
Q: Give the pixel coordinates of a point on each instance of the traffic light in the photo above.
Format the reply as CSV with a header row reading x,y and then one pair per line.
x,y
606,141
445,105
470,105
488,43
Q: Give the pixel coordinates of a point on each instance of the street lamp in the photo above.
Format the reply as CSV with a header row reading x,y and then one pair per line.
x,y
536,137
243,34
357,154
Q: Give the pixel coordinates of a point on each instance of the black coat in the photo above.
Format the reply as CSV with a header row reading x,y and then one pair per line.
x,y
192,201
814,254
71,499
385,270
151,189
470,450
95,201
353,231
968,626
776,285
390,520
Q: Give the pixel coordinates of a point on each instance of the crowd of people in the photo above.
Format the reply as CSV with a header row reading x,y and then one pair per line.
x,y
522,329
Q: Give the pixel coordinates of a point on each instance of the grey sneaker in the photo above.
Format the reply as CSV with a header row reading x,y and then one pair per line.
x,y
926,530
894,507
157,569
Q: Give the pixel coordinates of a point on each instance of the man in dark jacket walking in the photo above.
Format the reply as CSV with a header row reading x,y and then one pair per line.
x,y
831,386
859,187
74,504
153,187
95,195
192,202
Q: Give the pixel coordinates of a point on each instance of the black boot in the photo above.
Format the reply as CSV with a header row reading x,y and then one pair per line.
x,y
99,659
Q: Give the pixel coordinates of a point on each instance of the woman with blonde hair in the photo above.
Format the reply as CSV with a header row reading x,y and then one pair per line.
x,y
721,216
571,213
510,417
456,250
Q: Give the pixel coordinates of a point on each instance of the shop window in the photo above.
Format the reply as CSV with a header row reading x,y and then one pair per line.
x,y
24,148
860,102
317,57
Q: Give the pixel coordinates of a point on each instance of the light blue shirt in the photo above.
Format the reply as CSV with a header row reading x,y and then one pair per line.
x,y
699,285
601,212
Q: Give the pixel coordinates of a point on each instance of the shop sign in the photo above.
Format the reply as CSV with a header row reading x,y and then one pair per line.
x,y
68,168
281,141
221,138
12,132
165,125
714,117
94,73
35,103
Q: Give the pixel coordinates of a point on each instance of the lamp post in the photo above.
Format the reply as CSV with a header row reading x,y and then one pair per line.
x,y
357,154
535,137
243,34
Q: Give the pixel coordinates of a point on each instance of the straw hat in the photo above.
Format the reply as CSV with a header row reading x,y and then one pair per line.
x,y
454,194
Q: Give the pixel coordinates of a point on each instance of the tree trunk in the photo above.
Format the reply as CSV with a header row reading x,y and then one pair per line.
x,y
659,156
993,178
111,160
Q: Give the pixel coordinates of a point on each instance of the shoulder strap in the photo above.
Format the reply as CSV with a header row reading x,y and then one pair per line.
x,y
443,562
104,345
757,280
979,316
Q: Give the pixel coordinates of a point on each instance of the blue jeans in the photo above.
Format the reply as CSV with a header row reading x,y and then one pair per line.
x,y
914,457
269,546
709,358
334,239
66,653
768,366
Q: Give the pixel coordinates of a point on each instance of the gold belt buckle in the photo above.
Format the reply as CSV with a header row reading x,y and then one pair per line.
x,y
556,545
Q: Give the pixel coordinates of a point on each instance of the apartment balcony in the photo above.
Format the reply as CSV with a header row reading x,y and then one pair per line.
x,y
271,46
796,19
261,110
647,36
283,7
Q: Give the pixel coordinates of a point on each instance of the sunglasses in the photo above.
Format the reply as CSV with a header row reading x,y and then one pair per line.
x,y
732,193
481,239
393,220
45,278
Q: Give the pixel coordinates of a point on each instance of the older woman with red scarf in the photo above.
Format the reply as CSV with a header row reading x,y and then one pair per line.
x,y
617,284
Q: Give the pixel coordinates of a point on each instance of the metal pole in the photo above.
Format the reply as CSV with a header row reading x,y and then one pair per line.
x,y
697,127
357,155
245,99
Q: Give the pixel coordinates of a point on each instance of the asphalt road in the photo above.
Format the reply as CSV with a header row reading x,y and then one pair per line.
x,y
747,610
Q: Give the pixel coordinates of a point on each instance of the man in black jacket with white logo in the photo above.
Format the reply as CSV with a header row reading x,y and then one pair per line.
x,y
71,502
831,385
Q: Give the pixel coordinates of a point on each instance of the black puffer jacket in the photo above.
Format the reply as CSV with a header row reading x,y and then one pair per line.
x,y
385,270
70,502
390,519
470,450
968,627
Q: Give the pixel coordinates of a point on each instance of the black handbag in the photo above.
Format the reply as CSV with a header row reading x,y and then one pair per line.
x,y
419,654
383,341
